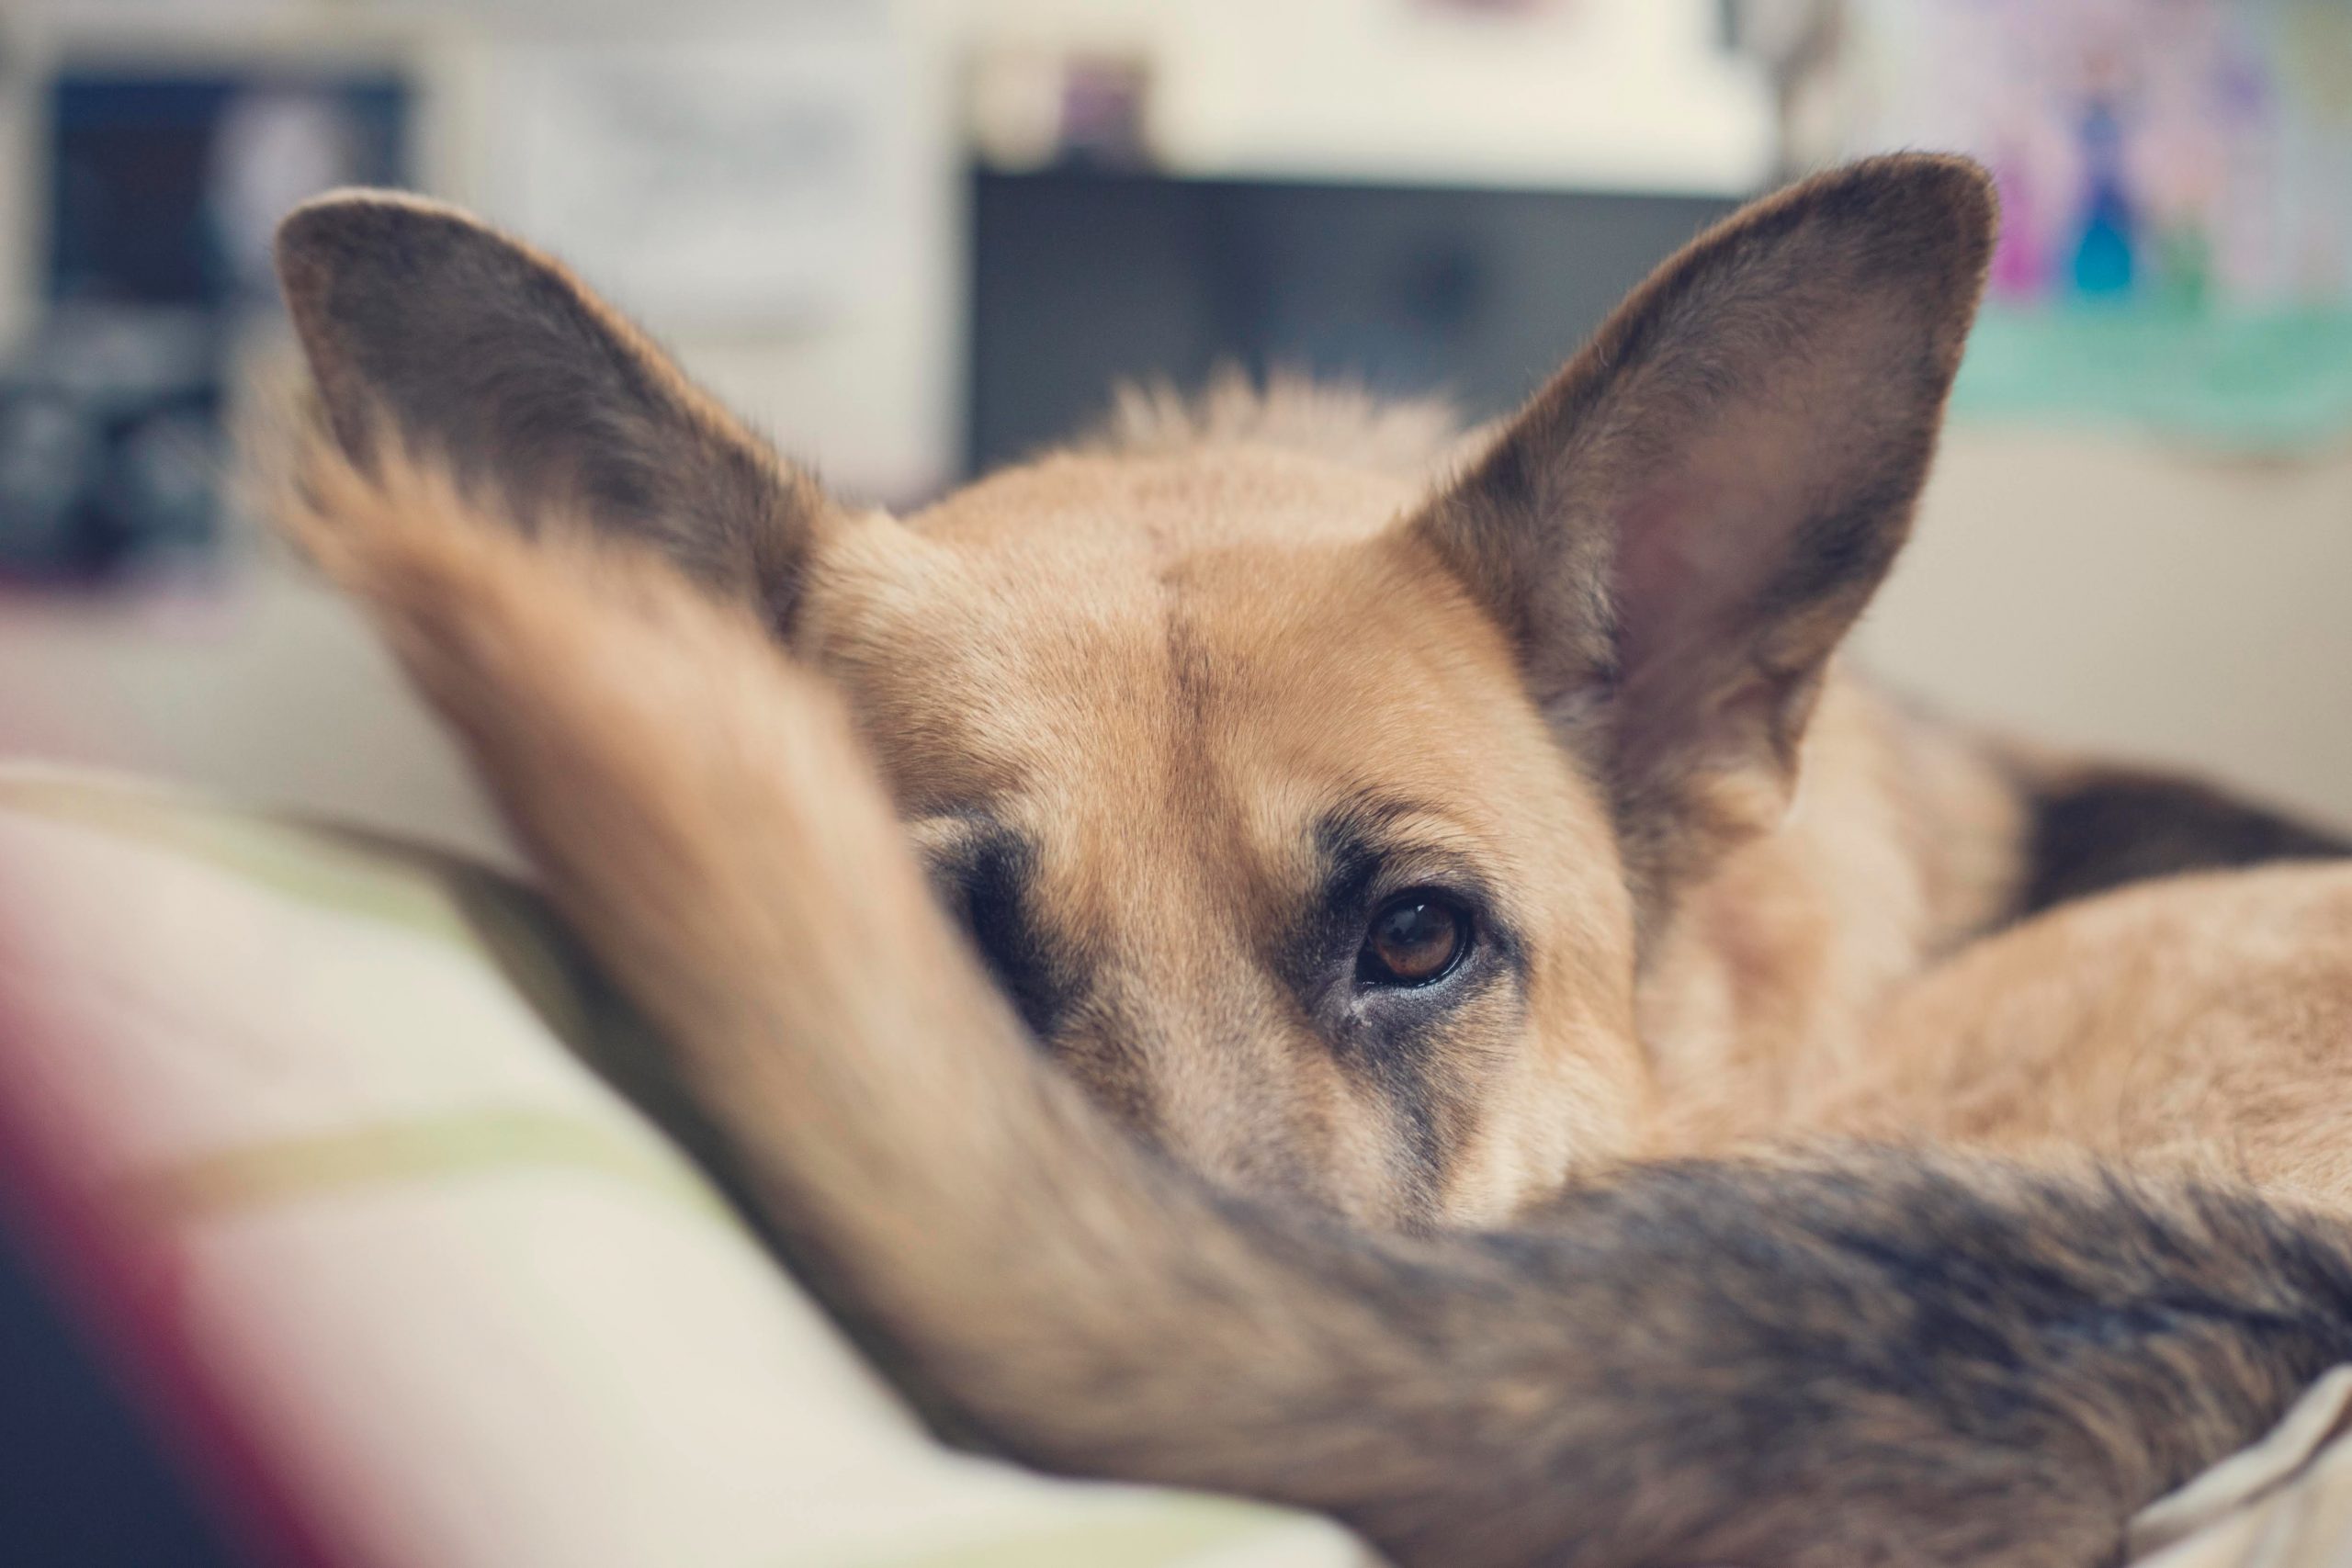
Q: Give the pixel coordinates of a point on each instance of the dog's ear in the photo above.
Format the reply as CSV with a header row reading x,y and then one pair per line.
x,y
1680,528
424,325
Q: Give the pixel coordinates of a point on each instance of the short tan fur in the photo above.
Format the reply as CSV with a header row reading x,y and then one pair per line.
x,y
1210,731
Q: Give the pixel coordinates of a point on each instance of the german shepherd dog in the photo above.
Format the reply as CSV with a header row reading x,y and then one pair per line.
x,y
1273,952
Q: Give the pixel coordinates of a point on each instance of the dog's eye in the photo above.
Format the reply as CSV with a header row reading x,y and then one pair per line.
x,y
1417,938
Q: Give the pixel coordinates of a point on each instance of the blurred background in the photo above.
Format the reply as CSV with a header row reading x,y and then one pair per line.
x,y
913,239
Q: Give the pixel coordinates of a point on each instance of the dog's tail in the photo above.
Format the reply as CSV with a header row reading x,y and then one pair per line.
x,y
1863,1359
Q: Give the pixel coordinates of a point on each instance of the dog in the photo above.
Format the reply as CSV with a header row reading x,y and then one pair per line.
x,y
1278,951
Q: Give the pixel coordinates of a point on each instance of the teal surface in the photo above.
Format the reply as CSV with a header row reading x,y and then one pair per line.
x,y
2262,384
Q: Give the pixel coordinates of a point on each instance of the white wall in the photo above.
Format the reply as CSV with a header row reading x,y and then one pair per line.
x,y
2146,600
268,692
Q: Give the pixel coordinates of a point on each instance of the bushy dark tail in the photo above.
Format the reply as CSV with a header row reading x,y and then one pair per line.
x,y
1869,1359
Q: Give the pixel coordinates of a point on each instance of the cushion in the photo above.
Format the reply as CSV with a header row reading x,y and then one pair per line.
x,y
400,1280
304,1125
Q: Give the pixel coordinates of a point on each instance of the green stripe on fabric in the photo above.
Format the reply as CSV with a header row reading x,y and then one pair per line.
x,y
399,1153
1161,1534
308,864
547,967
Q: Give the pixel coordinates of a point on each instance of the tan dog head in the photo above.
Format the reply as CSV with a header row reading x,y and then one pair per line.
x,y
1311,811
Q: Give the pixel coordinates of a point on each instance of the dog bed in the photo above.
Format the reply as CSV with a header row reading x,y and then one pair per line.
x,y
303,1128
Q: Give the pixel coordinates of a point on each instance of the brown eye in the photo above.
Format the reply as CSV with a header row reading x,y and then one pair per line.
x,y
1415,939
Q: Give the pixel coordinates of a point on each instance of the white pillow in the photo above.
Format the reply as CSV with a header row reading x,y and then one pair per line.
x,y
408,1284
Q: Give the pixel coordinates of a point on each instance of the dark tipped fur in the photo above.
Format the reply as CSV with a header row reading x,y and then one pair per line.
x,y
2107,828
1880,1360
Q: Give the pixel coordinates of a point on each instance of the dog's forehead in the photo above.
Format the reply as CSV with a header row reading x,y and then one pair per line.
x,y
1147,507
1107,634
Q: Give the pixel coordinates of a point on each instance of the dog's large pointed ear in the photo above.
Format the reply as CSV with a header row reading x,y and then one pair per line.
x,y
471,349
1676,531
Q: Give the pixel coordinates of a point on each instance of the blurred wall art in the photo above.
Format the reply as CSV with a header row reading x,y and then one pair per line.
x,y
2176,181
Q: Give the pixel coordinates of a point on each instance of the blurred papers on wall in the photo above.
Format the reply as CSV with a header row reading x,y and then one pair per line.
x,y
2176,182
732,180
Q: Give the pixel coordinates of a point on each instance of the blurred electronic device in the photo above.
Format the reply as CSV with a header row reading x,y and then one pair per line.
x,y
162,190
1082,276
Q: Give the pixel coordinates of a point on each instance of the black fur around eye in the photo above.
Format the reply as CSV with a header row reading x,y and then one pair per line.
x,y
1416,939
983,877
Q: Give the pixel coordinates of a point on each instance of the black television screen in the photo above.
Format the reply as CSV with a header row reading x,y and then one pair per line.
x,y
1081,277
164,191
164,188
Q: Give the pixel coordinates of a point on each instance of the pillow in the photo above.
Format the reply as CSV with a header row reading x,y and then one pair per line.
x,y
402,1280
304,1128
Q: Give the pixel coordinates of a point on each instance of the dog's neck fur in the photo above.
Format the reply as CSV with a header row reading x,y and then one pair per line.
x,y
1906,838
